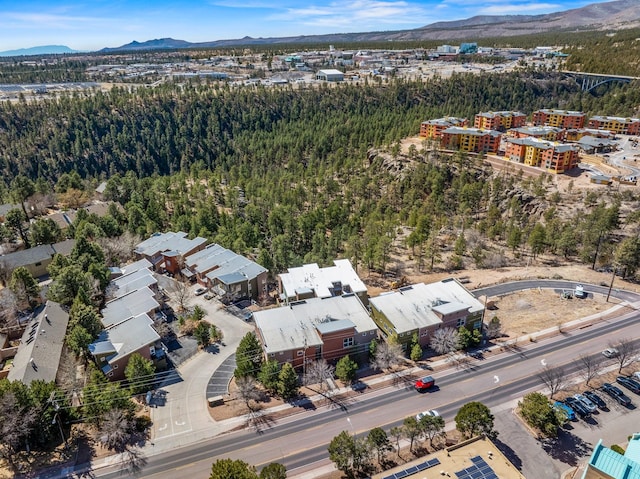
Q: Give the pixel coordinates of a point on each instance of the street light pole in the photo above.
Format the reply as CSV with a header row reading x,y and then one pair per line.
x,y
56,419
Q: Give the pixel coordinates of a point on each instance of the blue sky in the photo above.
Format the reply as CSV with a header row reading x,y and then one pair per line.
x,y
94,24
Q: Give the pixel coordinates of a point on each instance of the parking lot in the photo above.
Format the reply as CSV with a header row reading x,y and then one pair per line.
x,y
574,445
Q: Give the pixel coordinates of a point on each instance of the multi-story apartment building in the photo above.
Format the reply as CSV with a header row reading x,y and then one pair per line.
x,y
434,128
554,157
549,133
499,120
559,118
473,140
615,124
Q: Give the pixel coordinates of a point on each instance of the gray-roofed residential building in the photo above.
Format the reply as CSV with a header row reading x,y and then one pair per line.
x,y
310,280
134,303
424,308
36,259
38,355
153,247
315,328
229,274
130,282
116,344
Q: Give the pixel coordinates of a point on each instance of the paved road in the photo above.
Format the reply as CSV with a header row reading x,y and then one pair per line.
x,y
300,442
511,287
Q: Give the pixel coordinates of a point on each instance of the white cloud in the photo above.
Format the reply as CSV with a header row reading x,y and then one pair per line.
x,y
361,14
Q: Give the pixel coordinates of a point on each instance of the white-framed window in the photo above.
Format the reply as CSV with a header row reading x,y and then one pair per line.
x,y
347,342
272,355
103,359
281,353
110,373
477,324
460,322
300,353
364,334
371,333
115,366
424,333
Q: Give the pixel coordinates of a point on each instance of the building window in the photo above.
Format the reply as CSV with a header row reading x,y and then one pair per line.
x,y
272,355
460,323
281,353
364,334
103,359
424,333
347,342
110,373
300,353
115,366
38,263
371,333
477,324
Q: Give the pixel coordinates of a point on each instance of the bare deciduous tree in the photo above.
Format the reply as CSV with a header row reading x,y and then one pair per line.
x,y
16,424
445,341
553,378
119,250
181,294
320,373
387,355
248,392
116,430
8,308
589,367
627,352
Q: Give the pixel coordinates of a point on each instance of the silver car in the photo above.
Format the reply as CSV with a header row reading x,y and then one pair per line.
x,y
586,402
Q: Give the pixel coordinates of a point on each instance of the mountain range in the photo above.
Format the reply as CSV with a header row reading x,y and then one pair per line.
x,y
608,15
41,50
613,15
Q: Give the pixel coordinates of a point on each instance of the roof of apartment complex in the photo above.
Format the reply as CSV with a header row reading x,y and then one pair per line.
x,y
537,130
296,325
456,130
310,277
493,114
124,338
130,282
128,305
219,262
614,464
541,144
593,141
169,241
414,307
548,111
446,121
39,352
37,253
614,118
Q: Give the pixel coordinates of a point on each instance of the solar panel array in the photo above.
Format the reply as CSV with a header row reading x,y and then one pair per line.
x,y
479,470
414,469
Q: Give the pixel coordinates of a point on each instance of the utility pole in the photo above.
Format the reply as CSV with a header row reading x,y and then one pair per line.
x,y
613,276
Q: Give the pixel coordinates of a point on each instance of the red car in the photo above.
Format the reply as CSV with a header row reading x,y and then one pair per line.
x,y
425,383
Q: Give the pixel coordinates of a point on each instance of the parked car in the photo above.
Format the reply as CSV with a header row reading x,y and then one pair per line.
x,y
610,353
425,383
577,406
430,412
616,394
208,296
594,398
586,402
629,383
636,376
200,291
566,410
